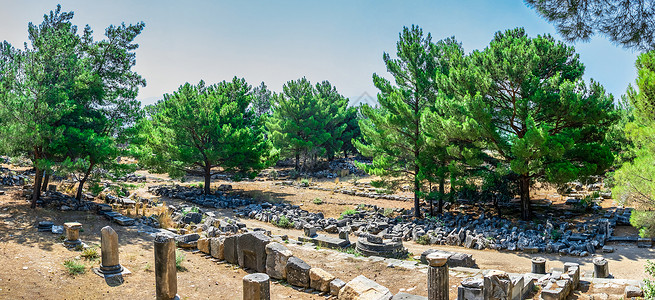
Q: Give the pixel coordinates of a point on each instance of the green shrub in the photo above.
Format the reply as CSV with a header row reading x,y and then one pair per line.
x,y
423,240
273,174
387,212
74,267
304,182
649,285
96,188
90,253
284,222
644,221
318,201
555,234
347,212
179,258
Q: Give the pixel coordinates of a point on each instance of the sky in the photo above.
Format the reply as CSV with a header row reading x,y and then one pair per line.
x,y
279,41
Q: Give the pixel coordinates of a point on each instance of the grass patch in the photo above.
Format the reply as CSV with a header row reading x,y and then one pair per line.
x,y
90,253
74,267
147,267
351,250
179,258
318,201
348,212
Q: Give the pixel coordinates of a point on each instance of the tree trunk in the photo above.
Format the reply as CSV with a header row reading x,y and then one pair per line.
x,y
36,189
497,206
417,185
442,194
208,178
46,180
524,185
297,161
80,187
431,197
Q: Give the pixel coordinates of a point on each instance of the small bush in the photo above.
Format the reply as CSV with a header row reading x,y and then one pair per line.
x,y
74,267
347,212
555,234
304,182
644,221
387,212
179,258
318,201
649,285
423,240
273,174
284,222
90,253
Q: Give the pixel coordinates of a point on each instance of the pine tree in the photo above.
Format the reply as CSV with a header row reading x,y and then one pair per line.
x,y
336,125
392,134
534,110
262,100
205,127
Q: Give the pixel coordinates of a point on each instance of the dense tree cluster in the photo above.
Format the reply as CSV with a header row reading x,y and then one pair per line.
x,y
520,104
309,122
68,99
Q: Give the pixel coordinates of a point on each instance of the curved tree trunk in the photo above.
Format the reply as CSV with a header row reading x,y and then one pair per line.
x,y
524,186
36,189
80,187
46,181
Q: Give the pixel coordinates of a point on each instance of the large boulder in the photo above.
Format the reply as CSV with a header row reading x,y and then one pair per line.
x,y
277,256
298,272
320,279
362,288
251,251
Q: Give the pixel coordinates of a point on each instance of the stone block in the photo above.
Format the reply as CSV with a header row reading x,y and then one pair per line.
x,y
187,240
552,294
203,245
216,247
320,279
326,241
335,286
363,288
633,292
517,287
277,256
230,249
298,272
256,287
455,259
406,296
497,286
251,251
310,231
192,217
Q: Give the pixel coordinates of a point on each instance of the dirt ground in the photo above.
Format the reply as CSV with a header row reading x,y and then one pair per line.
x,y
33,261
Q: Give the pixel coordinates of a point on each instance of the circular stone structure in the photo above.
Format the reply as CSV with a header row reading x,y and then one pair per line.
x,y
371,245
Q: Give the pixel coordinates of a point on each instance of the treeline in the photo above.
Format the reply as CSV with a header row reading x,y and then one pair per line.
x,y
485,125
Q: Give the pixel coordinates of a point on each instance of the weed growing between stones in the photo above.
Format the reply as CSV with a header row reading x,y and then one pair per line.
x,y
90,253
284,222
347,212
179,258
74,267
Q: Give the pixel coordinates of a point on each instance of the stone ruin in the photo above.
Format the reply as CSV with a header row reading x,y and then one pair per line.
x,y
373,245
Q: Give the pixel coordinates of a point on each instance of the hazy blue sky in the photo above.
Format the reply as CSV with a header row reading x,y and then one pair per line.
x,y
277,41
